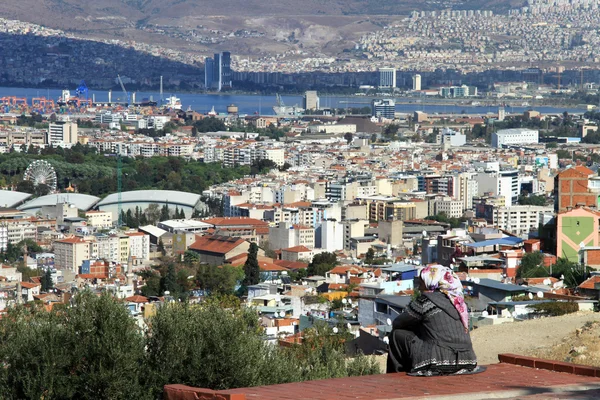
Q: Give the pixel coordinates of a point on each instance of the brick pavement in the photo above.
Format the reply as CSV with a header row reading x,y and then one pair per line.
x,y
504,380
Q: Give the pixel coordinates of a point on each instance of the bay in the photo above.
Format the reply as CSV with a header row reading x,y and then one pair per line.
x,y
263,104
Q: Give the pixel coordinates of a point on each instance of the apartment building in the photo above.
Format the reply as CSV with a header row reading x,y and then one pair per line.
x,y
99,219
286,235
70,253
519,220
139,245
449,206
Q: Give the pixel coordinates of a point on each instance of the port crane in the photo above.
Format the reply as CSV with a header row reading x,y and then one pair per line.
x,y
123,89
82,91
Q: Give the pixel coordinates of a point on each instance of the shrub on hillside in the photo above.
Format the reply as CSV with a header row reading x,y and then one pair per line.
x,y
555,308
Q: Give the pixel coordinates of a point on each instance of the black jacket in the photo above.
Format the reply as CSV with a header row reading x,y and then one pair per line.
x,y
442,341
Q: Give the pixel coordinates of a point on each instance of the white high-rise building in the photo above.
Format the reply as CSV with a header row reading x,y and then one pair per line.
x,y
416,82
332,235
311,100
387,77
62,134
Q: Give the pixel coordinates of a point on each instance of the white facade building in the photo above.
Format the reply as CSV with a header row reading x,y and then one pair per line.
x,y
449,206
502,183
139,245
516,136
520,220
62,134
332,235
99,219
387,77
453,138
275,155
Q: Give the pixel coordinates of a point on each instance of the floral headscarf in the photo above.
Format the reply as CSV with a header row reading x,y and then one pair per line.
x,y
443,279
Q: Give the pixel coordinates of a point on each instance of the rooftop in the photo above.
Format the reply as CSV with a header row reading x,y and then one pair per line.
x,y
515,377
153,196
81,201
216,244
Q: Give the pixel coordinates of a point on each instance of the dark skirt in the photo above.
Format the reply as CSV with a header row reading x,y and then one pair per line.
x,y
408,353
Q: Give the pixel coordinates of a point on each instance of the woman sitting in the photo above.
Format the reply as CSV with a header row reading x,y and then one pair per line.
x,y
431,336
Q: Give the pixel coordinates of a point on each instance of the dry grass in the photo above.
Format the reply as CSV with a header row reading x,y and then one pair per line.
x,y
580,347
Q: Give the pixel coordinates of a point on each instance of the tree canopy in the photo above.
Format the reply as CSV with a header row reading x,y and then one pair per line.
x,y
251,267
322,263
95,174
94,349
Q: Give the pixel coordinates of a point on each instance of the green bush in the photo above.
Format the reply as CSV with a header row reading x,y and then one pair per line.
x,y
555,308
94,349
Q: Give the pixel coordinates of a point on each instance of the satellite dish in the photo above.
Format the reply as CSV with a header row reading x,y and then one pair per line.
x,y
424,233
484,314
530,295
540,295
335,330
344,301
389,322
386,340
547,281
348,325
476,280
349,301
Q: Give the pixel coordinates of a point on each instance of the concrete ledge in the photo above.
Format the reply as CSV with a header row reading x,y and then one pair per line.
x,y
519,393
550,365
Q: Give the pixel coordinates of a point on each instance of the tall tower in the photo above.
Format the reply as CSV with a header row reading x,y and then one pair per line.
x,y
217,71
416,82
209,65
387,77
501,114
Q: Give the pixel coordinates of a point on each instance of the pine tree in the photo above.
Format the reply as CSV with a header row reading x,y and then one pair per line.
x,y
129,219
169,281
161,247
47,281
251,267
164,213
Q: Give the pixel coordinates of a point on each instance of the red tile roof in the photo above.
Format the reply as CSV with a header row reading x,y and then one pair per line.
x,y
337,286
344,269
297,249
240,259
270,267
293,265
590,283
29,285
216,244
234,221
137,299
71,240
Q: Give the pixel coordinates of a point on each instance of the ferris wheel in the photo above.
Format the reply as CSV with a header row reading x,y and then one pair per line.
x,y
40,172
